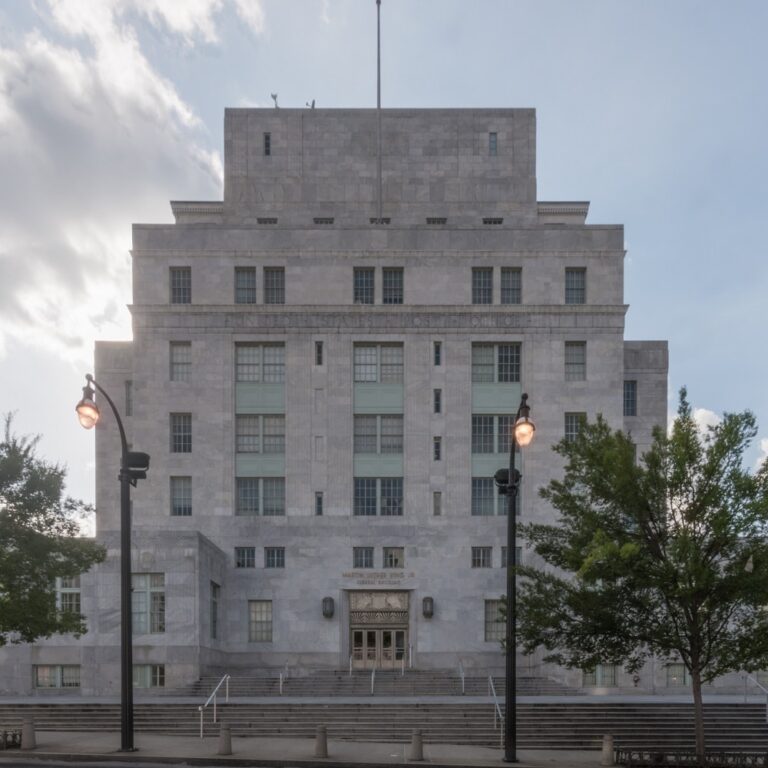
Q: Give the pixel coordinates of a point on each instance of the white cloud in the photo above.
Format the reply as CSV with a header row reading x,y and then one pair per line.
x,y
763,453
705,418
93,139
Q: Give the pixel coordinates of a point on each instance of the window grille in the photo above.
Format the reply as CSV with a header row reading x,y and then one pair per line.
x,y
394,557
181,360
260,621
481,557
573,424
493,220
181,285
495,626
575,286
363,285
437,448
274,557
362,557
482,285
437,400
245,557
181,433
274,285
630,398
245,285
181,496
511,285
575,360
392,285
267,144
492,143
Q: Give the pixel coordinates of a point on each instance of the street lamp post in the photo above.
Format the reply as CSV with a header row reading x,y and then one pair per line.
x,y
508,482
133,467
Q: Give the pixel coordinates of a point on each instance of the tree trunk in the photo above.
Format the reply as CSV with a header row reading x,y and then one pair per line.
x,y
698,714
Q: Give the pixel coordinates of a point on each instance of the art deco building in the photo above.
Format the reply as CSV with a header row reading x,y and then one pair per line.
x,y
326,388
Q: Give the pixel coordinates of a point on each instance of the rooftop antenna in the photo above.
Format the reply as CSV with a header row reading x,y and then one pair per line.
x,y
274,98
378,98
311,104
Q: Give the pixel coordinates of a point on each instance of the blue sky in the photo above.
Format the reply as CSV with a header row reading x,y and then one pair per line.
x,y
655,111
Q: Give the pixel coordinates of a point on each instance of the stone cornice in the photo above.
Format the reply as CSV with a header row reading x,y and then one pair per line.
x,y
214,318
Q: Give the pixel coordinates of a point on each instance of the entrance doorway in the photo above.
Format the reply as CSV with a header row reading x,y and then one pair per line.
x,y
378,629
379,648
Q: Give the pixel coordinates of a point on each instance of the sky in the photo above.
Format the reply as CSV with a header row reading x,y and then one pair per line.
x,y
655,111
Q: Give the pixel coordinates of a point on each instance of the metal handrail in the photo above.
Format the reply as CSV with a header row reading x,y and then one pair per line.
x,y
283,677
224,681
402,666
410,655
461,676
350,665
497,713
761,687
373,679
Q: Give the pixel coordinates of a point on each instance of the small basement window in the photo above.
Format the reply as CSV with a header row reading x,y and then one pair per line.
x,y
266,219
493,220
323,219
435,220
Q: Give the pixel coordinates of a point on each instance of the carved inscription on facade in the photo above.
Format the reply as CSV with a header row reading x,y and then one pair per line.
x,y
378,608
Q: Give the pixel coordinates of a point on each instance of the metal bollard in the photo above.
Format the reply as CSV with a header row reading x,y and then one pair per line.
x,y
225,740
607,756
321,741
28,734
416,752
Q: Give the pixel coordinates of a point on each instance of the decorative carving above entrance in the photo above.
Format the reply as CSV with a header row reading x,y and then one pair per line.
x,y
378,608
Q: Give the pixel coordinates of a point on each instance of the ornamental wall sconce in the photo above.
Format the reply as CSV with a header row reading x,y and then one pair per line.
x,y
328,607
428,607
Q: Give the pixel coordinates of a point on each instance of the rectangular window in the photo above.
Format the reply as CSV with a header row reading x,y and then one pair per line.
x,y
482,285
318,353
630,398
181,433
274,285
482,557
504,426
437,503
245,557
260,621
148,603
437,400
575,360
378,363
68,594
318,503
437,353
511,285
482,434
261,496
180,279
492,143
573,424
260,363
437,448
274,557
495,626
365,437
602,676
215,595
392,285
363,282
181,496
260,434
149,675
267,144
382,496
518,556
128,398
245,285
394,557
677,676
56,675
180,355
575,286
391,440
495,363
362,557
483,496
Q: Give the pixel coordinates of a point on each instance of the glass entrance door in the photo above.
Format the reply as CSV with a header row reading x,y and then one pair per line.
x,y
378,648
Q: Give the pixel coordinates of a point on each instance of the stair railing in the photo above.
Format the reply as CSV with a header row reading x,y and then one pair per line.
x,y
373,679
498,715
402,666
461,676
756,682
283,677
350,665
212,698
410,655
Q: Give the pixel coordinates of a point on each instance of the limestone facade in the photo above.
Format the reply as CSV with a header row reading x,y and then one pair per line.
x,y
460,223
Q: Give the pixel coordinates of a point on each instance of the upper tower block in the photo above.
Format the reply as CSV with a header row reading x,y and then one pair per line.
x,y
300,165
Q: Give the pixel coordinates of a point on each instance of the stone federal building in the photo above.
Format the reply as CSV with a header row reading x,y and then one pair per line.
x,y
326,389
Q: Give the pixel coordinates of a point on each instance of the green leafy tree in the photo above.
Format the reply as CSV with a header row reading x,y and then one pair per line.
x,y
38,542
665,556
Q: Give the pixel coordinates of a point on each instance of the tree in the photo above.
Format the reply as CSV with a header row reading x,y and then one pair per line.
x,y
38,543
665,556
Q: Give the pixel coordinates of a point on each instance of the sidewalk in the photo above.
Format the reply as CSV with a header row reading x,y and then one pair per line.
x,y
83,748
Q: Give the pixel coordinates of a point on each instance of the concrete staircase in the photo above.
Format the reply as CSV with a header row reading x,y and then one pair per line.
x,y
414,682
544,726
